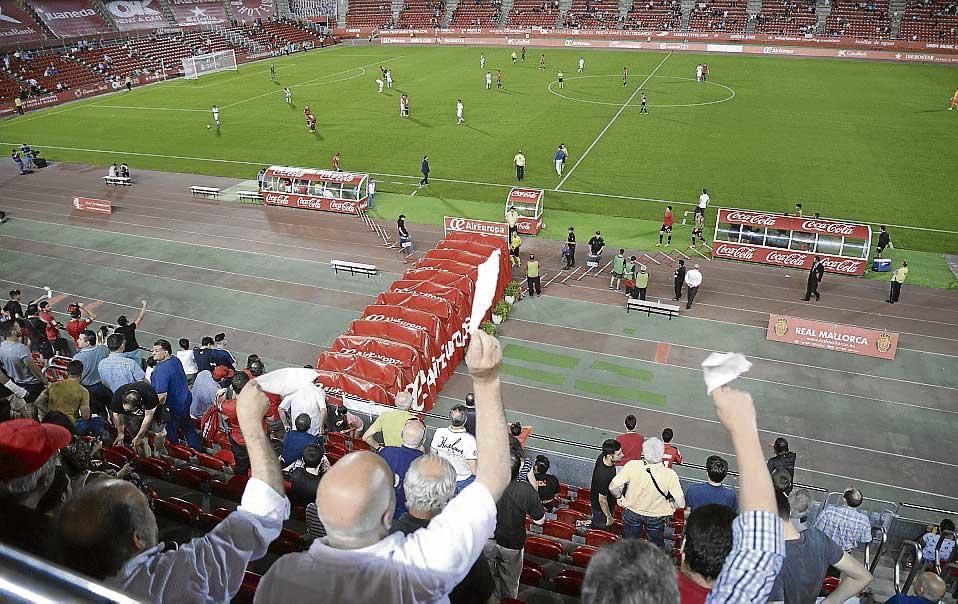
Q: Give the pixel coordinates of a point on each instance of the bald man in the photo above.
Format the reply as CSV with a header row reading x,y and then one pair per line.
x,y
359,560
400,459
929,589
107,530
390,424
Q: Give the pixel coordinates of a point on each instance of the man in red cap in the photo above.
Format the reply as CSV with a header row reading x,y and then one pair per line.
x,y
31,487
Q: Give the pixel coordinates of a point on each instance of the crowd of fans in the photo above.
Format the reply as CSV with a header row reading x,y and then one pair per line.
x,y
407,520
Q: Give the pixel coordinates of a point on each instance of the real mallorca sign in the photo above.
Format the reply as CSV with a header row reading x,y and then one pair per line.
x,y
832,336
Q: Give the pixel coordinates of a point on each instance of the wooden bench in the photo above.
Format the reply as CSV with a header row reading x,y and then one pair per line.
x,y
650,307
354,267
205,191
117,181
249,196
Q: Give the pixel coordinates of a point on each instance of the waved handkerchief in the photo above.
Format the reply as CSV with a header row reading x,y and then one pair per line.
x,y
720,368
486,285
288,380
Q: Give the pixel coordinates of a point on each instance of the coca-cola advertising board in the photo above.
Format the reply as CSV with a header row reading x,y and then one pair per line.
x,y
787,258
528,202
832,336
793,223
135,14
292,200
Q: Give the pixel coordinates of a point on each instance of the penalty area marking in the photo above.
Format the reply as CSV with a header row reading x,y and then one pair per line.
x,y
631,105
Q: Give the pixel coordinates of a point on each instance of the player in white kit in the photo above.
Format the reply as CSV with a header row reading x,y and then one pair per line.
x,y
581,64
289,96
482,61
459,118
216,115
698,73
389,78
380,83
488,80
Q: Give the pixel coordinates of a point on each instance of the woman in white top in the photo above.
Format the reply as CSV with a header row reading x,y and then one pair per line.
x,y
185,355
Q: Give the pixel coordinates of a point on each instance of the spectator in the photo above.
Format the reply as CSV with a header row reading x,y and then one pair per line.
x,y
70,398
18,363
203,356
305,478
51,326
650,494
545,483
117,369
471,413
800,500
627,571
355,504
712,492
136,409
631,441
844,524
226,402
204,389
707,542
296,440
220,355
169,381
458,447
808,554
89,353
32,485
783,458
13,308
400,458
390,423
505,549
36,331
929,589
603,501
185,355
108,532
76,458
131,348
671,455
309,399
77,324
339,419
931,552
430,486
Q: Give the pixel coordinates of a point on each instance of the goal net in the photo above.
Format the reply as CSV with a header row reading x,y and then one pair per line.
x,y
194,67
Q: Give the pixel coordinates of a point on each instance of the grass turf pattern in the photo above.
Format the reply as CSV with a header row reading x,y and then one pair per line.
x,y
856,140
629,372
535,355
536,375
620,393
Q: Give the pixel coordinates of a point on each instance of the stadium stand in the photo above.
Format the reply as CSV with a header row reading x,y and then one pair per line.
x,y
652,14
865,19
50,69
718,15
82,18
417,14
786,17
369,13
592,14
534,13
477,13
930,20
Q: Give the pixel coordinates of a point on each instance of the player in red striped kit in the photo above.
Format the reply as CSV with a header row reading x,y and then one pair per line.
x,y
666,226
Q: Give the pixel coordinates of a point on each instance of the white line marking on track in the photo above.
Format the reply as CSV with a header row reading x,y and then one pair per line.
x,y
624,106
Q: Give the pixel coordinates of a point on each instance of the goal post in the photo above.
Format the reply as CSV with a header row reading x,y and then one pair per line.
x,y
200,65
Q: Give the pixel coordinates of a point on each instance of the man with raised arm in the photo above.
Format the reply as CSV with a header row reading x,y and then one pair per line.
x,y
359,560
107,530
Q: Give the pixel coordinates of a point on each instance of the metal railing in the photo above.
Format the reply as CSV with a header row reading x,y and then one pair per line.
x,y
909,549
880,537
26,579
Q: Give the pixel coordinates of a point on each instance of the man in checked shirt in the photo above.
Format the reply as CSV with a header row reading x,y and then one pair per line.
x,y
844,524
618,573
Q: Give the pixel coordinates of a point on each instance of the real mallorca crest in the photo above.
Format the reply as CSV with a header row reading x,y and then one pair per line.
x,y
883,343
781,327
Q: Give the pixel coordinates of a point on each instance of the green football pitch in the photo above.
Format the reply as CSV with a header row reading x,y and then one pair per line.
x,y
861,141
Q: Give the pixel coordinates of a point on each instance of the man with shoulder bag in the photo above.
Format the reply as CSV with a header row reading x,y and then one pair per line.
x,y
649,492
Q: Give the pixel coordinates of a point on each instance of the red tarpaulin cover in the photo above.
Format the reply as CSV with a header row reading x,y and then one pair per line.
x,y
427,321
459,303
442,277
470,259
482,238
400,355
336,384
388,376
432,305
411,336
481,249
432,346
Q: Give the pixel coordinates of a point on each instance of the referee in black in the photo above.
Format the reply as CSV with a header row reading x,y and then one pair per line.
x,y
679,279
884,240
570,241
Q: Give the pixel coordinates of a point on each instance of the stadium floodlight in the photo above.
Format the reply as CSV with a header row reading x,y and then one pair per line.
x,y
200,65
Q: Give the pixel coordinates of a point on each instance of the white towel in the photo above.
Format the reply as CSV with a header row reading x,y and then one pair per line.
x,y
720,368
486,284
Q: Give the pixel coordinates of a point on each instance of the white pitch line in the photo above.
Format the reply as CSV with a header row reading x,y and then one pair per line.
x,y
450,180
612,121
149,108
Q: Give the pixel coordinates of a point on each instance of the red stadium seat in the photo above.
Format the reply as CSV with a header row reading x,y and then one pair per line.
x,y
194,509
569,582
173,510
181,452
582,554
211,462
359,444
583,493
570,516
114,455
554,528
335,452
598,537
829,585
563,490
543,548
191,478
336,438
232,489
152,466
207,522
531,574
222,513
227,456
581,505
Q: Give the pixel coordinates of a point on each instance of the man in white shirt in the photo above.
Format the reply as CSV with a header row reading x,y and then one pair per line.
x,y
581,64
300,395
693,279
358,560
703,203
459,119
457,446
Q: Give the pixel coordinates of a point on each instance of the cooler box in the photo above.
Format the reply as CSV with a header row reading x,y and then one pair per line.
x,y
593,261
881,265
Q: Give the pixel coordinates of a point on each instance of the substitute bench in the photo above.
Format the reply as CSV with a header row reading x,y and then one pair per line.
x,y
205,191
249,196
118,181
354,268
650,307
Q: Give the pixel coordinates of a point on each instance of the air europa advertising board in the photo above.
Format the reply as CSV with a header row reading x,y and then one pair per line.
x,y
832,336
